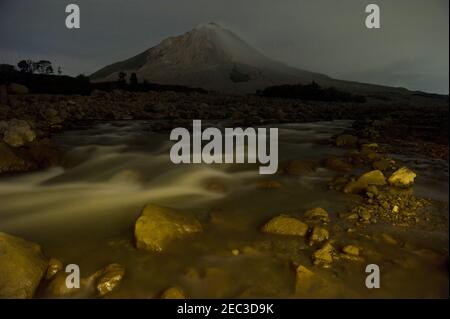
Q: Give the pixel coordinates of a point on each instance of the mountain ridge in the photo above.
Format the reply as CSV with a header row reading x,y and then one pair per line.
x,y
214,58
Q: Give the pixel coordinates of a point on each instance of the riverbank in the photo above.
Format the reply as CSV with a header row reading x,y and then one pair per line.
x,y
88,178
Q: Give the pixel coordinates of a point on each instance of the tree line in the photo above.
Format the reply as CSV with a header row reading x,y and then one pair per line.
x,y
39,67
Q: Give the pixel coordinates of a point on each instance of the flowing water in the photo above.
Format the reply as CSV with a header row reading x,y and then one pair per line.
x,y
84,213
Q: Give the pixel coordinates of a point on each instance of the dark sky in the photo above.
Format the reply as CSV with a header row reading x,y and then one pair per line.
x,y
411,49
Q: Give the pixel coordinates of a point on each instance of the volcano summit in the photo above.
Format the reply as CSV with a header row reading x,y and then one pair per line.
x,y
210,57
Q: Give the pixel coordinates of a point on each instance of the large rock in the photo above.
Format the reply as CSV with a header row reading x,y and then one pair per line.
x,y
109,279
22,266
157,226
285,225
18,133
11,161
371,178
403,177
15,88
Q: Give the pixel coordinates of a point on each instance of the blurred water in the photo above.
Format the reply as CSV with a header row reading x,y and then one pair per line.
x,y
84,213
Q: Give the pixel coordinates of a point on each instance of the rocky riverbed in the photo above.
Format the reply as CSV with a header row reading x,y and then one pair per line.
x,y
86,180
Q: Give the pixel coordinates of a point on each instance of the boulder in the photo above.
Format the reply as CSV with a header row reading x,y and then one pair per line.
x,y
14,88
375,177
346,140
18,133
22,266
157,226
403,177
285,225
108,279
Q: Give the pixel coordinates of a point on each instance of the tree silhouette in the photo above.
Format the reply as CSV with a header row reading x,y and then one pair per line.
x,y
25,66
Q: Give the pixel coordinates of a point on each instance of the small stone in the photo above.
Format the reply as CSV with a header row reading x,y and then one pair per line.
x,y
173,293
316,214
318,234
351,250
109,279
365,215
375,177
323,255
285,225
54,266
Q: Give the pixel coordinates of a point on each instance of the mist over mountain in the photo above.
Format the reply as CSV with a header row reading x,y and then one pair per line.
x,y
214,58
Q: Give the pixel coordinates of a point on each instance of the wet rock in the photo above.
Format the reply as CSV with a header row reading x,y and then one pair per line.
x,y
324,255
157,226
109,279
22,266
300,167
18,133
375,177
57,287
173,293
316,214
13,161
402,177
346,140
351,250
14,88
337,164
305,280
54,266
285,225
318,234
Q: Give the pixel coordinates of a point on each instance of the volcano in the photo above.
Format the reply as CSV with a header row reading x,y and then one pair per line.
x,y
214,58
